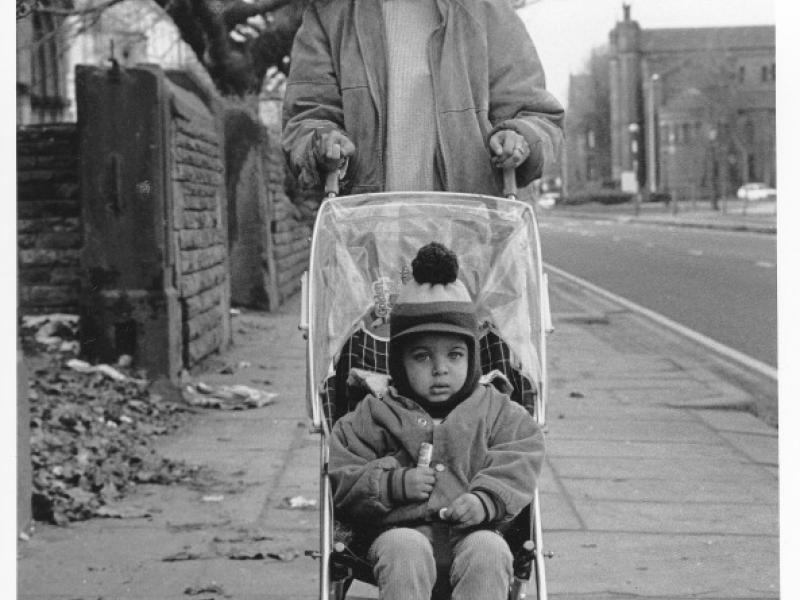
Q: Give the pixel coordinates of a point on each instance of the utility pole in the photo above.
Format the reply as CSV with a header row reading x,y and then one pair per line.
x,y
652,149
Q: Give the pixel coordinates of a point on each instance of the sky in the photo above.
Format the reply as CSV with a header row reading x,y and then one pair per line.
x,y
565,31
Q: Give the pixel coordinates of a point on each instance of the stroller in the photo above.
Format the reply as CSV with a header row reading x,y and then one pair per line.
x,y
361,250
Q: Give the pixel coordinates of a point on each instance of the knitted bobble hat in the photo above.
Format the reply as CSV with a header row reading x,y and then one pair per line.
x,y
434,301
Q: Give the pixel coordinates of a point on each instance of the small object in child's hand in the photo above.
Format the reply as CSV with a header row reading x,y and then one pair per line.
x,y
443,514
425,454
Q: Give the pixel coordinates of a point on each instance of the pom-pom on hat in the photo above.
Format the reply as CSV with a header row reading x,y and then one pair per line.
x,y
434,300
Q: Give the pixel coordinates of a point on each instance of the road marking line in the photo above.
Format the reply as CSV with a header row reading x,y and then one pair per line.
x,y
713,345
696,252
765,264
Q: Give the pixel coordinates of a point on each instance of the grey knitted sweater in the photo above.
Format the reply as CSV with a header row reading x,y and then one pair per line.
x,y
411,136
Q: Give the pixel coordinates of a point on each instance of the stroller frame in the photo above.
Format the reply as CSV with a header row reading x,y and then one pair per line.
x,y
319,423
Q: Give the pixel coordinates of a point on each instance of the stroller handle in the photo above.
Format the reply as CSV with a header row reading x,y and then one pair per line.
x,y
509,183
333,175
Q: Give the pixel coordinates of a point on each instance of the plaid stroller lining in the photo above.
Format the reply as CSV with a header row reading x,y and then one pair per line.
x,y
365,351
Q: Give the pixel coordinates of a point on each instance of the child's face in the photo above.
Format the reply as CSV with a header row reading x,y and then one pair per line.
x,y
436,365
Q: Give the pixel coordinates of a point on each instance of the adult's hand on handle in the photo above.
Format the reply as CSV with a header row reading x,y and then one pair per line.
x,y
332,150
509,149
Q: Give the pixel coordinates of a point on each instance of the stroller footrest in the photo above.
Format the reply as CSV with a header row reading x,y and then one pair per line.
x,y
346,564
523,560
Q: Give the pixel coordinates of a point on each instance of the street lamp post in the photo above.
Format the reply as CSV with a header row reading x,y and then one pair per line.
x,y
673,169
712,138
652,150
633,129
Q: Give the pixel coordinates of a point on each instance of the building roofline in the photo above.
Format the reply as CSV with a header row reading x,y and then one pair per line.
x,y
702,38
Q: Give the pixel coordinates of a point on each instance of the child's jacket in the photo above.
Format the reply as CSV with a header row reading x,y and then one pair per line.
x,y
487,443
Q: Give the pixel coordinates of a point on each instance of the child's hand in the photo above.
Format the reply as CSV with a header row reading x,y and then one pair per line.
x,y
509,148
419,483
466,511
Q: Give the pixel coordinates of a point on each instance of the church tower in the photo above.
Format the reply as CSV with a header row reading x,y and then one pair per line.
x,y
626,101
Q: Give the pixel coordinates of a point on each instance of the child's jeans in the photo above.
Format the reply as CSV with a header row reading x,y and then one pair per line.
x,y
405,567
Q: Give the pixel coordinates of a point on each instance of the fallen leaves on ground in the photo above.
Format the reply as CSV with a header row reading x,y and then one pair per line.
x,y
91,441
211,588
255,547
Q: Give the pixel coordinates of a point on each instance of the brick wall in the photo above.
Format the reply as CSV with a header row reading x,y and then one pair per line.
x,y
200,236
194,247
48,219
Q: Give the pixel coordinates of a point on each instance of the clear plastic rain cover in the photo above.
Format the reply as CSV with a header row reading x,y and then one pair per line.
x,y
362,253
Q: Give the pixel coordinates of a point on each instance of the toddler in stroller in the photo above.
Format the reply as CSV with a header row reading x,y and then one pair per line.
x,y
357,282
431,520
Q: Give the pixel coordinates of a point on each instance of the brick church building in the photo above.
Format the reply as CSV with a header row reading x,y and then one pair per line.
x,y
692,111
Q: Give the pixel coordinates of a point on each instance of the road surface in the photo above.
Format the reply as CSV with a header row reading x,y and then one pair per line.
x,y
721,284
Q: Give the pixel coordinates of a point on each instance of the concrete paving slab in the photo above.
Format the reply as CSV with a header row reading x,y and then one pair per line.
x,y
631,429
597,565
268,577
91,562
680,517
558,514
612,410
671,490
760,448
547,479
742,403
638,449
733,421
733,470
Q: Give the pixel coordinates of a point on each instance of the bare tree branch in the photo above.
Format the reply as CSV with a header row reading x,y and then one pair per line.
x,y
236,50
239,11
38,7
237,66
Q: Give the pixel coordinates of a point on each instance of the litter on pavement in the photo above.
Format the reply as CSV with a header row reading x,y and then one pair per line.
x,y
299,503
226,397
84,367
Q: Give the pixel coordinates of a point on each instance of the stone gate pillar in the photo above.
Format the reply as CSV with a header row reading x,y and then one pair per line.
x,y
155,279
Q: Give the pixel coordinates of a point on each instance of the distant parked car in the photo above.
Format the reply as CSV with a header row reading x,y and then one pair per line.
x,y
756,191
549,199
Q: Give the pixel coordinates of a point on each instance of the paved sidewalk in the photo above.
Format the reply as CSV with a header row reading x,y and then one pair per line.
x,y
755,217
652,488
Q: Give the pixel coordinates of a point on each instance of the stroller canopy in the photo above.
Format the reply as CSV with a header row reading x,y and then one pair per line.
x,y
362,250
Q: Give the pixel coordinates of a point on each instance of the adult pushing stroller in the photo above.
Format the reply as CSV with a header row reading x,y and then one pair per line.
x,y
361,251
